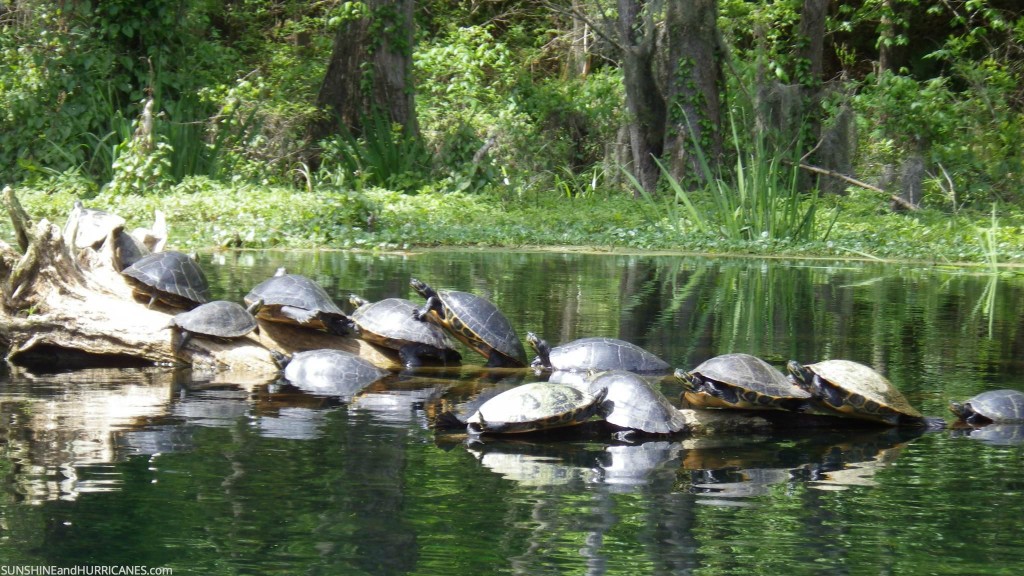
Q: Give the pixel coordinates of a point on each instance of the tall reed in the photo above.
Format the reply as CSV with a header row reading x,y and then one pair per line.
x,y
759,199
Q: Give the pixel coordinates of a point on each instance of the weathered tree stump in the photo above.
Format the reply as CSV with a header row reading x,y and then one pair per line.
x,y
60,305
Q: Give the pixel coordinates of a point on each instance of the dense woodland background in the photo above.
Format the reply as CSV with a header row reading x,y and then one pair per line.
x,y
710,104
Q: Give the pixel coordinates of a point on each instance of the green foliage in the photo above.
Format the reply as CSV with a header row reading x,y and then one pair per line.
x,y
760,200
384,155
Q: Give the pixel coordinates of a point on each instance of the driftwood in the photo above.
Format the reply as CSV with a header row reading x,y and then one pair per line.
x,y
860,184
59,304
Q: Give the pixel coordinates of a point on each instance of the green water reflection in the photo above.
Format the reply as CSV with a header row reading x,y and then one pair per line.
x,y
140,467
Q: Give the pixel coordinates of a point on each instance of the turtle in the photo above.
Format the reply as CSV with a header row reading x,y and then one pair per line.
x,y
88,227
296,299
448,416
128,250
534,407
740,380
475,321
858,391
594,354
389,323
631,403
331,372
219,319
171,277
994,406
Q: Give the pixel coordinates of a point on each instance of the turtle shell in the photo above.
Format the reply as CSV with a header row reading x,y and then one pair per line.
x,y
632,403
390,323
331,372
128,250
91,226
475,321
740,381
220,319
855,390
532,407
171,277
596,354
999,406
296,299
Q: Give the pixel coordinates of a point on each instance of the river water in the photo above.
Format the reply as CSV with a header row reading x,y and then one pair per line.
x,y
143,467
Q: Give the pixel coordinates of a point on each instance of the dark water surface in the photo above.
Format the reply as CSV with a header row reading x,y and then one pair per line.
x,y
141,467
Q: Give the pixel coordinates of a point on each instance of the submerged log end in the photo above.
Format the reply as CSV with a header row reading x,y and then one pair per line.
x,y
706,422
243,361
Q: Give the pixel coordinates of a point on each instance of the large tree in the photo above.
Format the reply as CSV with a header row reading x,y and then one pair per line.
x,y
669,118
644,101
693,86
370,70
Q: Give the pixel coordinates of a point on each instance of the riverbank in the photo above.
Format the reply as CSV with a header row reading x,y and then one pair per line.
x,y
203,214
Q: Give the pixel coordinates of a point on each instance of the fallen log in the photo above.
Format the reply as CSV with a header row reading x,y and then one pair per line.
x,y
62,305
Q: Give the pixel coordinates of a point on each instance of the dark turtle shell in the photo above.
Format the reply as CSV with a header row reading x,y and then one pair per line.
x,y
533,407
475,321
632,403
171,277
855,390
595,354
390,323
999,406
296,299
128,250
217,319
331,372
740,381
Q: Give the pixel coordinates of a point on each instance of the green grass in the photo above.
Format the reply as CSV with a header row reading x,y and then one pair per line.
x,y
204,213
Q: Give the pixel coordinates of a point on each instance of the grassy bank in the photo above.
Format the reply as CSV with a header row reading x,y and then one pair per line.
x,y
203,214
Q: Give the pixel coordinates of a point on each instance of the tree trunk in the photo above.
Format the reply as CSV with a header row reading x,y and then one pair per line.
x,y
644,101
370,71
578,61
694,87
886,37
810,56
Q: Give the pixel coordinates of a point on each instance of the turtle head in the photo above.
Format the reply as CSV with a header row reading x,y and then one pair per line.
x,y
687,378
422,288
280,359
255,307
800,375
282,271
356,300
541,347
961,410
603,406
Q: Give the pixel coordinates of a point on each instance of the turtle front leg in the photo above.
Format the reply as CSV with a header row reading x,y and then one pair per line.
x,y
433,303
